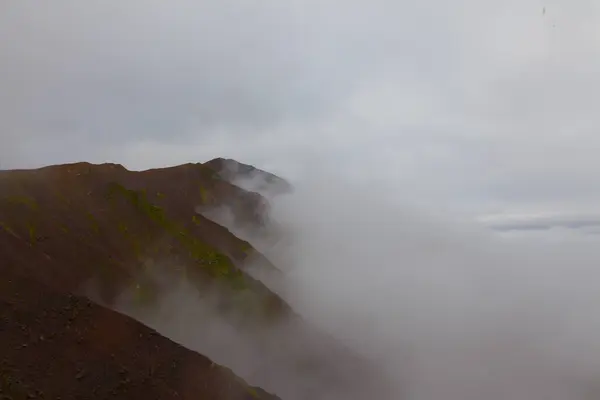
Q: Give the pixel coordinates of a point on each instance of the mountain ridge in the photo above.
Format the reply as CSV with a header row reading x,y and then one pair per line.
x,y
99,230
64,227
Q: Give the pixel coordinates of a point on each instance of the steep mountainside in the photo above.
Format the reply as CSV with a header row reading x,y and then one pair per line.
x,y
106,225
60,346
67,228
101,230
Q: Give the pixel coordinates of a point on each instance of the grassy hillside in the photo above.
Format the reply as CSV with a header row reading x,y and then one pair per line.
x,y
107,225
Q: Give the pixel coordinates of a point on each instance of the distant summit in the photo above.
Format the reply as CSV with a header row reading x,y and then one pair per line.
x,y
249,177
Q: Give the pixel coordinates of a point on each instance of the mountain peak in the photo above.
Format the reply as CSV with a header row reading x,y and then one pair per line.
x,y
249,177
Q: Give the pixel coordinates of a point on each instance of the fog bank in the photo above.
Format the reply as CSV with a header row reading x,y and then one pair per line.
x,y
444,309
453,311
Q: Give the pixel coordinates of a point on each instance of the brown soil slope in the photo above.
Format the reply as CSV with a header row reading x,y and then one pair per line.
x,y
66,228
104,224
59,346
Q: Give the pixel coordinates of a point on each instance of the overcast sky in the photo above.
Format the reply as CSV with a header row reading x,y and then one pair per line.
x,y
485,107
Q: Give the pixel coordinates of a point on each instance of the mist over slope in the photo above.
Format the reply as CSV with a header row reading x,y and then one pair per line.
x,y
56,345
288,355
87,230
386,300
449,310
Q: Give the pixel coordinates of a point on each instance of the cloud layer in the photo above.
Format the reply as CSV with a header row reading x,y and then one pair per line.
x,y
444,308
453,312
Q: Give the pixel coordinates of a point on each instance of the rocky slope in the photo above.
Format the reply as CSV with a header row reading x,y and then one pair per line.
x,y
99,231
56,345
67,228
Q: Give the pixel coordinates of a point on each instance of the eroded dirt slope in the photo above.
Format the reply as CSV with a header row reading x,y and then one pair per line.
x,y
72,228
55,345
